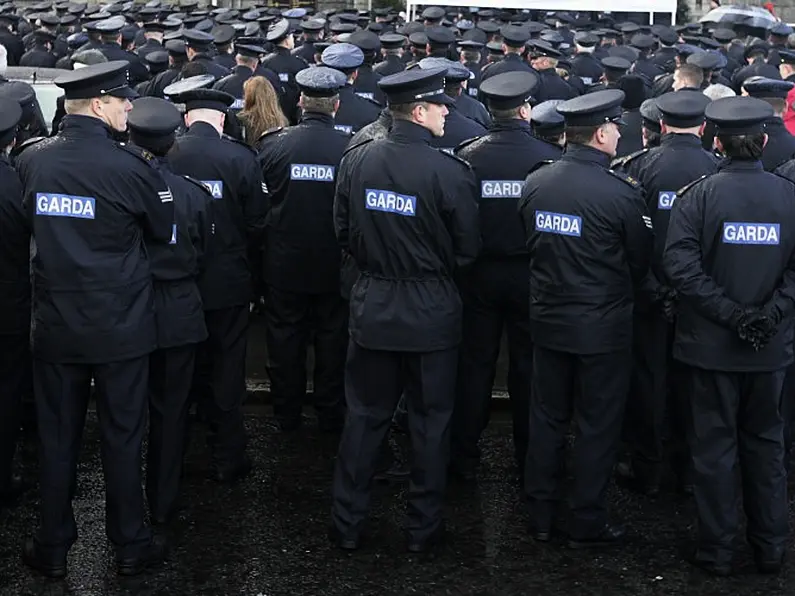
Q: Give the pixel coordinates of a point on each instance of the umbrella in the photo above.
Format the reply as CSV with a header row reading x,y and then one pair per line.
x,y
740,14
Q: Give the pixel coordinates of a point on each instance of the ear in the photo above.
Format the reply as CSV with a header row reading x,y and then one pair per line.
x,y
663,128
702,128
764,143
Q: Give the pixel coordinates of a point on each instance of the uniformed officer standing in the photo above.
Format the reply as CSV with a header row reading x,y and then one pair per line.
x,y
15,373
584,65
544,58
247,58
285,65
548,125
178,307
495,290
407,214
366,83
230,170
658,392
392,50
780,146
40,54
355,112
110,30
589,239
729,255
301,260
513,42
457,127
197,46
91,203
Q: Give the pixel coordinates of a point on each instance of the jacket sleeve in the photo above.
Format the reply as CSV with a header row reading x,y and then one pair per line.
x,y
460,210
341,206
781,305
156,203
682,262
638,238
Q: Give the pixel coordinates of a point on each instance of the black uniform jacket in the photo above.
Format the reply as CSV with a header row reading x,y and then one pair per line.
x,y
407,214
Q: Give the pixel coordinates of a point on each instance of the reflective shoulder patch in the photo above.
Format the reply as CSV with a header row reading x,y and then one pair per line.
x,y
311,172
626,178
501,189
237,104
365,95
468,142
389,201
449,153
344,128
561,224
738,232
687,187
18,149
59,205
284,77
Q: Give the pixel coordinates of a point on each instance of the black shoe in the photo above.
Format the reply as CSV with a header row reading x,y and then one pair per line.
x,y
396,473
32,558
232,475
611,535
154,554
626,477
711,567
10,496
342,541
769,565
417,546
540,534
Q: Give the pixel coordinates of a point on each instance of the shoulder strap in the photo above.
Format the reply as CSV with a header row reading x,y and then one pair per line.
x,y
626,178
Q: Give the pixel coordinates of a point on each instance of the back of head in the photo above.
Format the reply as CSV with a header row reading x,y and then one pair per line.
x,y
261,109
718,91
87,58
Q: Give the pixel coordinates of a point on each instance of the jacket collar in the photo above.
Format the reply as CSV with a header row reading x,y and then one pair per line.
x,y
587,154
404,131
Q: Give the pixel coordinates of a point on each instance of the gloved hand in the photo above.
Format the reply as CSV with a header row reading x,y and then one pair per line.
x,y
668,304
755,327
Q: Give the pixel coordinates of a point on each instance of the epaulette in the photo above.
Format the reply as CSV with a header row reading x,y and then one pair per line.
x,y
198,183
372,101
690,185
270,131
461,160
626,178
361,143
622,161
239,142
540,164
142,154
18,149
468,142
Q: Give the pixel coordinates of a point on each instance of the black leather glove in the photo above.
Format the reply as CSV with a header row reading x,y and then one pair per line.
x,y
755,328
668,304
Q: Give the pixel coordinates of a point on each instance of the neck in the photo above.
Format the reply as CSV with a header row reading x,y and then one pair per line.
x,y
202,122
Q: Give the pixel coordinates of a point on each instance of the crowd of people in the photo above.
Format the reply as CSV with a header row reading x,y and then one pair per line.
x,y
612,198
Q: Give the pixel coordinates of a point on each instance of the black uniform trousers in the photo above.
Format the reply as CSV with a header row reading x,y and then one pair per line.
x,y
373,383
292,319
220,379
15,383
788,413
496,298
737,415
62,393
591,390
657,407
170,375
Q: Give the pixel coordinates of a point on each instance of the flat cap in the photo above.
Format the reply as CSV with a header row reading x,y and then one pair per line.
x,y
756,48
189,84
739,115
490,27
723,35
440,36
650,115
416,84
454,71
704,60
109,78
366,41
763,87
153,116
514,35
787,56
320,81
203,99
313,25
197,39
509,90
641,41
392,40
342,56
683,109
222,34
539,47
433,13
586,40
419,39
616,64
780,30
250,50
593,109
111,25
278,30
626,52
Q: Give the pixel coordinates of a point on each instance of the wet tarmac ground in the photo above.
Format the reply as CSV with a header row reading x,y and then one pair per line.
x,y
267,536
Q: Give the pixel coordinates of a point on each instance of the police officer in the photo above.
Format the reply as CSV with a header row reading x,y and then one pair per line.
x,y
111,32
495,290
198,46
178,307
40,54
230,170
644,65
548,125
177,58
10,40
91,202
247,58
589,240
513,43
457,127
731,261
153,34
657,392
755,55
311,31
392,49
544,58
15,374
285,65
407,214
366,83
355,112
32,122
584,65
301,263
780,146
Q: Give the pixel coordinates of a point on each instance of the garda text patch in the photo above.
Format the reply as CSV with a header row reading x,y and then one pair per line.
x,y
558,223
365,95
311,171
65,206
216,188
237,104
501,189
344,128
665,199
284,77
390,202
737,232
